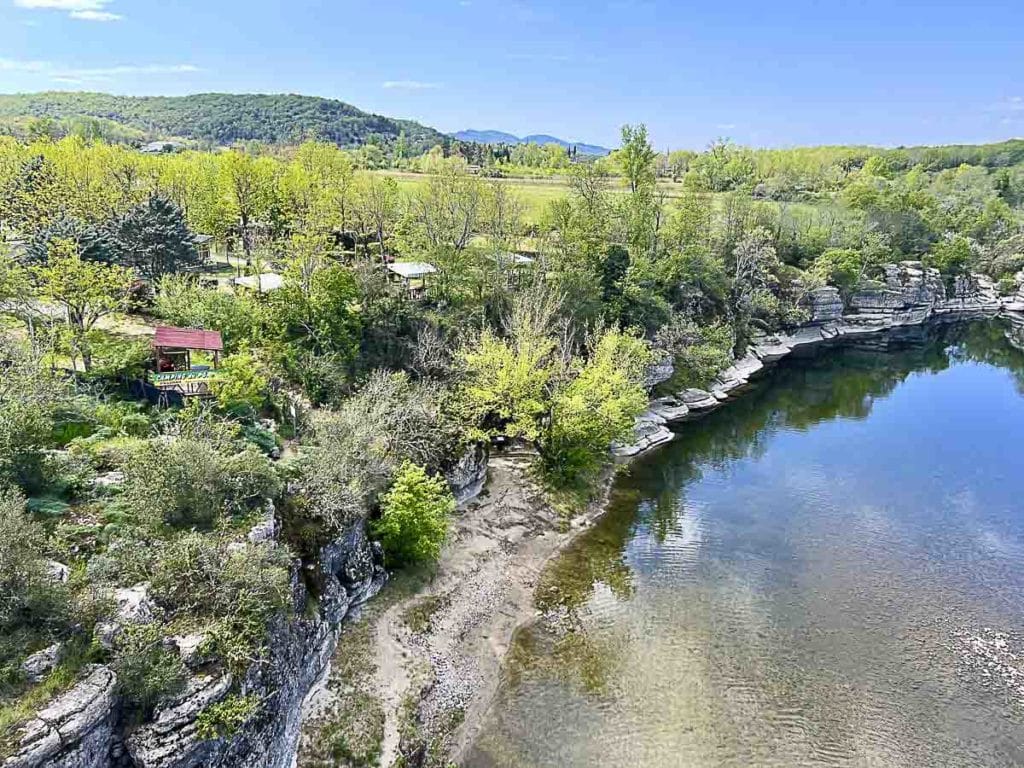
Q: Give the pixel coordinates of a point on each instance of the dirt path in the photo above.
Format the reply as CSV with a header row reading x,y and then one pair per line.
x,y
437,651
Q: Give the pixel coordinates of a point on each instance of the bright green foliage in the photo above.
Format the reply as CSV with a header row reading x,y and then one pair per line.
x,y
506,383
224,718
414,516
86,291
596,408
316,309
241,384
951,257
842,267
181,302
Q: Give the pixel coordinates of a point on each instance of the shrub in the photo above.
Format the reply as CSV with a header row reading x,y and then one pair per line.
x,y
234,590
599,406
147,671
414,516
241,386
175,483
185,483
224,718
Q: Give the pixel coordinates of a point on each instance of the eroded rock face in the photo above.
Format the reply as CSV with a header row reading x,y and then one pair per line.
x,y
659,371
41,663
825,304
83,728
467,477
76,730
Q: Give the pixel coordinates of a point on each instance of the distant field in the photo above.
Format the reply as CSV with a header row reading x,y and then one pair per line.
x,y
537,194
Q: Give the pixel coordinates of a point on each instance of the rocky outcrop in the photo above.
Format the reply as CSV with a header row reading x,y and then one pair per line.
x,y
84,727
908,295
466,478
825,304
77,730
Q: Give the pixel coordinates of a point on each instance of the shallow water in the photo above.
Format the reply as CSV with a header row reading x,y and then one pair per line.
x,y
829,572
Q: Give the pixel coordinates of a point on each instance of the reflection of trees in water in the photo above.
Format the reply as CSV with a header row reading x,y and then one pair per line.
x,y
839,383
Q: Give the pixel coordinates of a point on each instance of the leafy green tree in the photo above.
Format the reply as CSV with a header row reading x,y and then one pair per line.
x,y
155,240
636,157
596,408
240,384
86,291
414,516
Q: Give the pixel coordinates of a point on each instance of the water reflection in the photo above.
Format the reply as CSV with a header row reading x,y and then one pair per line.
x,y
798,581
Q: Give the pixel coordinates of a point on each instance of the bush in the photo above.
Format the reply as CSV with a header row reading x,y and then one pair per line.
x,y
147,671
241,386
181,302
414,516
175,483
185,483
235,591
224,718
33,607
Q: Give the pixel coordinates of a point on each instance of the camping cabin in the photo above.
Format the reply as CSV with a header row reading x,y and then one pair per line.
x,y
412,275
185,363
512,265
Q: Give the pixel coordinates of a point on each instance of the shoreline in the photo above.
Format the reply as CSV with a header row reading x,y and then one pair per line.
x,y
438,654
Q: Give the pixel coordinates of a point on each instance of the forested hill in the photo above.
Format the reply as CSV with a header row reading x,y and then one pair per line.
x,y
223,118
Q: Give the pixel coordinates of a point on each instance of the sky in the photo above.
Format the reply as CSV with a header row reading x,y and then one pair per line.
x,y
782,73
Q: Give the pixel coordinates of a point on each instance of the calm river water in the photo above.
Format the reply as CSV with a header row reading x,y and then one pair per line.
x,y
829,572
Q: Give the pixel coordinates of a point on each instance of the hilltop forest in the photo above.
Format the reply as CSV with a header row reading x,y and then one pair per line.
x,y
345,395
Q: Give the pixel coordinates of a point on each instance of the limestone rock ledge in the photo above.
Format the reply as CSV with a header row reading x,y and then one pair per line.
x,y
85,727
77,730
909,295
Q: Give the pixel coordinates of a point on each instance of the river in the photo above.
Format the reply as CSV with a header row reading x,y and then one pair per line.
x,y
828,572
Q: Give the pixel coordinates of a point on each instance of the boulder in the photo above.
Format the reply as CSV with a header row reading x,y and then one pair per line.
x,y
659,371
267,528
41,663
58,572
697,399
466,478
649,431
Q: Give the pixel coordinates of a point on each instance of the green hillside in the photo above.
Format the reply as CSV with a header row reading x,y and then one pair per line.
x,y
222,118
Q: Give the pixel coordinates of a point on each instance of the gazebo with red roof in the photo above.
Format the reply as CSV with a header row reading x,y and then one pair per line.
x,y
173,349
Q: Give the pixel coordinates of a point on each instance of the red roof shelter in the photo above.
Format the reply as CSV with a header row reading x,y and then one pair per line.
x,y
188,338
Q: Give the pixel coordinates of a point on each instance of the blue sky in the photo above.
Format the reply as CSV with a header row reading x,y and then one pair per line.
x,y
781,73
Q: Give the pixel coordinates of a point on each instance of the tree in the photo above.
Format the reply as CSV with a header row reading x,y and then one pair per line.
x,y
86,291
596,408
248,184
240,384
414,516
636,158
155,240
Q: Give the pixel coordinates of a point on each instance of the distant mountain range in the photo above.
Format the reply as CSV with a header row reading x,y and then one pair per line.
x,y
500,137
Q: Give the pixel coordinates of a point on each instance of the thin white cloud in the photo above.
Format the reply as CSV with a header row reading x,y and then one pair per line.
x,y
60,73
83,10
410,85
96,16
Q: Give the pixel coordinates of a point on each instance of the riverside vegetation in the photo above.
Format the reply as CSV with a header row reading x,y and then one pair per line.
x,y
128,530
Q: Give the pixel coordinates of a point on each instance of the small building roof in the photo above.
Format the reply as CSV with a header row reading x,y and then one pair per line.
x,y
268,281
412,269
188,338
201,239
515,259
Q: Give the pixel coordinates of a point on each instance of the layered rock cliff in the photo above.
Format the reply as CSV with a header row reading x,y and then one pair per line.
x,y
86,728
909,294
